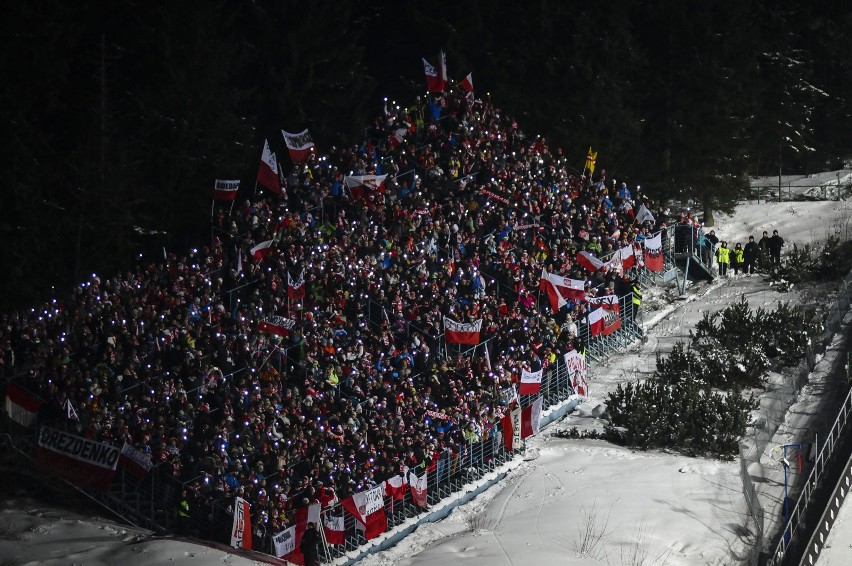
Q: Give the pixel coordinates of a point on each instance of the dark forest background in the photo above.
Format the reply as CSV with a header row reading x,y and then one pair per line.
x,y
120,114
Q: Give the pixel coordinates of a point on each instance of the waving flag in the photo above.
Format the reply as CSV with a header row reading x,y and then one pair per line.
x,y
296,289
559,289
644,215
433,79
395,486
300,145
591,159
654,252
259,251
589,261
365,186
628,256
530,382
442,70
531,419
277,325
462,332
225,190
267,175
467,83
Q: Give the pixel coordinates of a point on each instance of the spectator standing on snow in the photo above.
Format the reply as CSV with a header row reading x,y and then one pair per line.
x,y
763,246
723,256
310,545
776,242
737,258
750,256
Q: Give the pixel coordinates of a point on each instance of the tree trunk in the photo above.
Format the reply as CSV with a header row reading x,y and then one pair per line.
x,y
708,211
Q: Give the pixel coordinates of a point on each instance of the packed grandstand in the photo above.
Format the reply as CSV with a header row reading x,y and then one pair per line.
x,y
304,356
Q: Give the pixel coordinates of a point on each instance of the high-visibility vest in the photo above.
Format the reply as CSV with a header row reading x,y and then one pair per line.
x,y
183,509
738,255
724,255
637,295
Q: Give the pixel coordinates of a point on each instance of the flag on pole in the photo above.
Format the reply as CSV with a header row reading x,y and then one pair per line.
x,y
589,261
628,256
296,289
299,145
277,325
433,79
462,332
654,252
442,68
531,419
644,215
397,137
225,190
559,289
259,251
591,159
368,508
267,175
467,83
70,413
530,382
362,186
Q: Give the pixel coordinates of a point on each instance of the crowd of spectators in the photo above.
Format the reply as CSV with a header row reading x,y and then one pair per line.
x,y
169,359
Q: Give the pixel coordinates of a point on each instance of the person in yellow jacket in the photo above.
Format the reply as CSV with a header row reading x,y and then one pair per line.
x,y
737,258
723,256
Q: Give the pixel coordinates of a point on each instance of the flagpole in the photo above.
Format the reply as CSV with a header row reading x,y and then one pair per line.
x,y
254,194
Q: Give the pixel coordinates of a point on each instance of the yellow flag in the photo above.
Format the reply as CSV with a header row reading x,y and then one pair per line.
x,y
591,158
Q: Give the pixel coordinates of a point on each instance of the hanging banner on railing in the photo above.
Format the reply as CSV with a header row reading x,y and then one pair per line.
x,y
605,320
576,364
241,528
82,461
335,531
369,511
531,382
512,429
462,332
654,252
277,325
284,542
418,489
135,461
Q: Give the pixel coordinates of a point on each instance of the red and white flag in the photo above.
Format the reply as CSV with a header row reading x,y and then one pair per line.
x,y
589,261
277,325
135,461
467,83
296,289
531,419
418,489
433,79
267,175
530,382
259,251
368,507
365,186
286,543
628,256
654,252
397,137
241,527
299,145
442,69
462,332
604,321
21,407
335,531
395,486
85,462
576,364
511,422
225,190
559,289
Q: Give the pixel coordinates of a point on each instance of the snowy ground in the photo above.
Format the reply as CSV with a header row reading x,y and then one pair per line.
x,y
630,507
